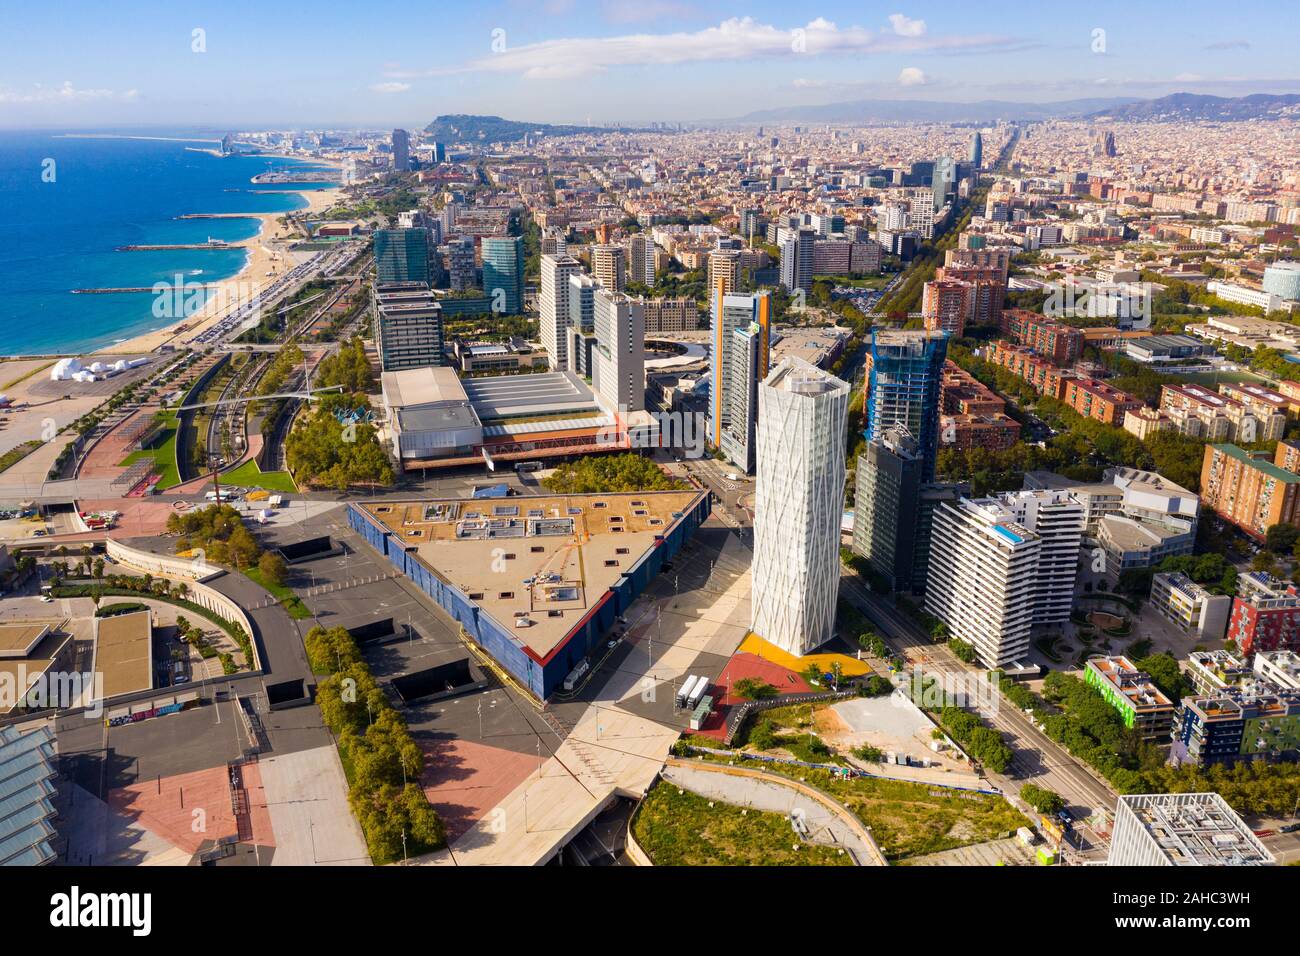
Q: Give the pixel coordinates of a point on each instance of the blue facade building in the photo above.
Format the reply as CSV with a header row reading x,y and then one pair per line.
x,y
539,669
904,379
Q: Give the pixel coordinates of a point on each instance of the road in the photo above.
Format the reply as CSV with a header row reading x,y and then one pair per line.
x,y
1037,757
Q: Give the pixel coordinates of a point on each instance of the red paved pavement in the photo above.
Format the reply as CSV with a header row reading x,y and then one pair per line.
x,y
740,666
464,780
167,807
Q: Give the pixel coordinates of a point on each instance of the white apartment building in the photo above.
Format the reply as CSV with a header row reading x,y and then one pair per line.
x,y
799,504
1059,519
982,578
618,378
553,307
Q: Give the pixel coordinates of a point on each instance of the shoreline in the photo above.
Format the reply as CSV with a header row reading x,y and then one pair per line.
x,y
232,292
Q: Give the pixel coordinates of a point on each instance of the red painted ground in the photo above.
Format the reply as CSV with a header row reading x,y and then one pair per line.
x,y
740,666
105,458
167,808
464,780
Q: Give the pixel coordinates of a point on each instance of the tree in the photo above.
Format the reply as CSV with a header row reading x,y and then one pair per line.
x,y
1281,538
273,568
1041,799
1166,674
752,688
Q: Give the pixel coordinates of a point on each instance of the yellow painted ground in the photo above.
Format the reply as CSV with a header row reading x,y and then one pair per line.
x,y
849,666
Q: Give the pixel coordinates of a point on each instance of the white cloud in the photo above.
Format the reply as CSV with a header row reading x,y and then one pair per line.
x,y
1188,78
911,76
738,38
906,26
66,93
803,83
390,87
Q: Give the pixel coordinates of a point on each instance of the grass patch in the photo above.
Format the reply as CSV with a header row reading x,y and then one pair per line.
x,y
16,454
282,593
163,453
24,377
248,474
681,829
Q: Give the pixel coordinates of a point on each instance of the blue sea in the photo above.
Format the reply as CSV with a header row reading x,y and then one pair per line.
x,y
59,232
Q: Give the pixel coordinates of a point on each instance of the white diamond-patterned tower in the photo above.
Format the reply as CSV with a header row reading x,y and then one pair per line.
x,y
799,505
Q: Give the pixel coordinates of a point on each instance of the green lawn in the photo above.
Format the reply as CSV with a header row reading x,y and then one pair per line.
x,y
163,454
288,600
681,829
249,475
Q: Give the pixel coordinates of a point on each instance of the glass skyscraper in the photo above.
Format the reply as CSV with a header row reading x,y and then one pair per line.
x,y
904,376
402,255
503,269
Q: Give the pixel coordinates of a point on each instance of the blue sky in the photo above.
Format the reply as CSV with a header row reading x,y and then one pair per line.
x,y
382,62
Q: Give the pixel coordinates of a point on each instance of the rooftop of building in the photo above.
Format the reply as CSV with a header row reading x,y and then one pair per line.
x,y
796,375
1136,686
18,639
540,394
1197,829
124,652
19,671
547,560
1269,469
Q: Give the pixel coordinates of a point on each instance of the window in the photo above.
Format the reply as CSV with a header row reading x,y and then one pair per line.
x,y
476,596
505,595
611,563
536,549
620,550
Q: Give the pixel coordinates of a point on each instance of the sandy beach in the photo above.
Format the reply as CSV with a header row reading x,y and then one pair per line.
x,y
268,256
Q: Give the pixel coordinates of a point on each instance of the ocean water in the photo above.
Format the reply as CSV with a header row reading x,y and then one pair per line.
x,y
60,235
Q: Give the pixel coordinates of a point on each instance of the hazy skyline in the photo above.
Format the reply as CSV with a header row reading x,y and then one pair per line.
x,y
78,64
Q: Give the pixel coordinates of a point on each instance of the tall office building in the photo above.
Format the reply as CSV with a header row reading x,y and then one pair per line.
x,y
402,255
461,273
408,326
886,505
745,363
976,155
554,316
619,359
797,260
904,375
641,259
401,150
503,270
799,503
607,267
731,312
944,179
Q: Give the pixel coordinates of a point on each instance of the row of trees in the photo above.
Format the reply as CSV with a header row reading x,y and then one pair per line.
x,y
1076,716
982,743
375,743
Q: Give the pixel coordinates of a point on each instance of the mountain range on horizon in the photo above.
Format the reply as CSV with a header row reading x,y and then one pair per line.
x,y
1176,107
